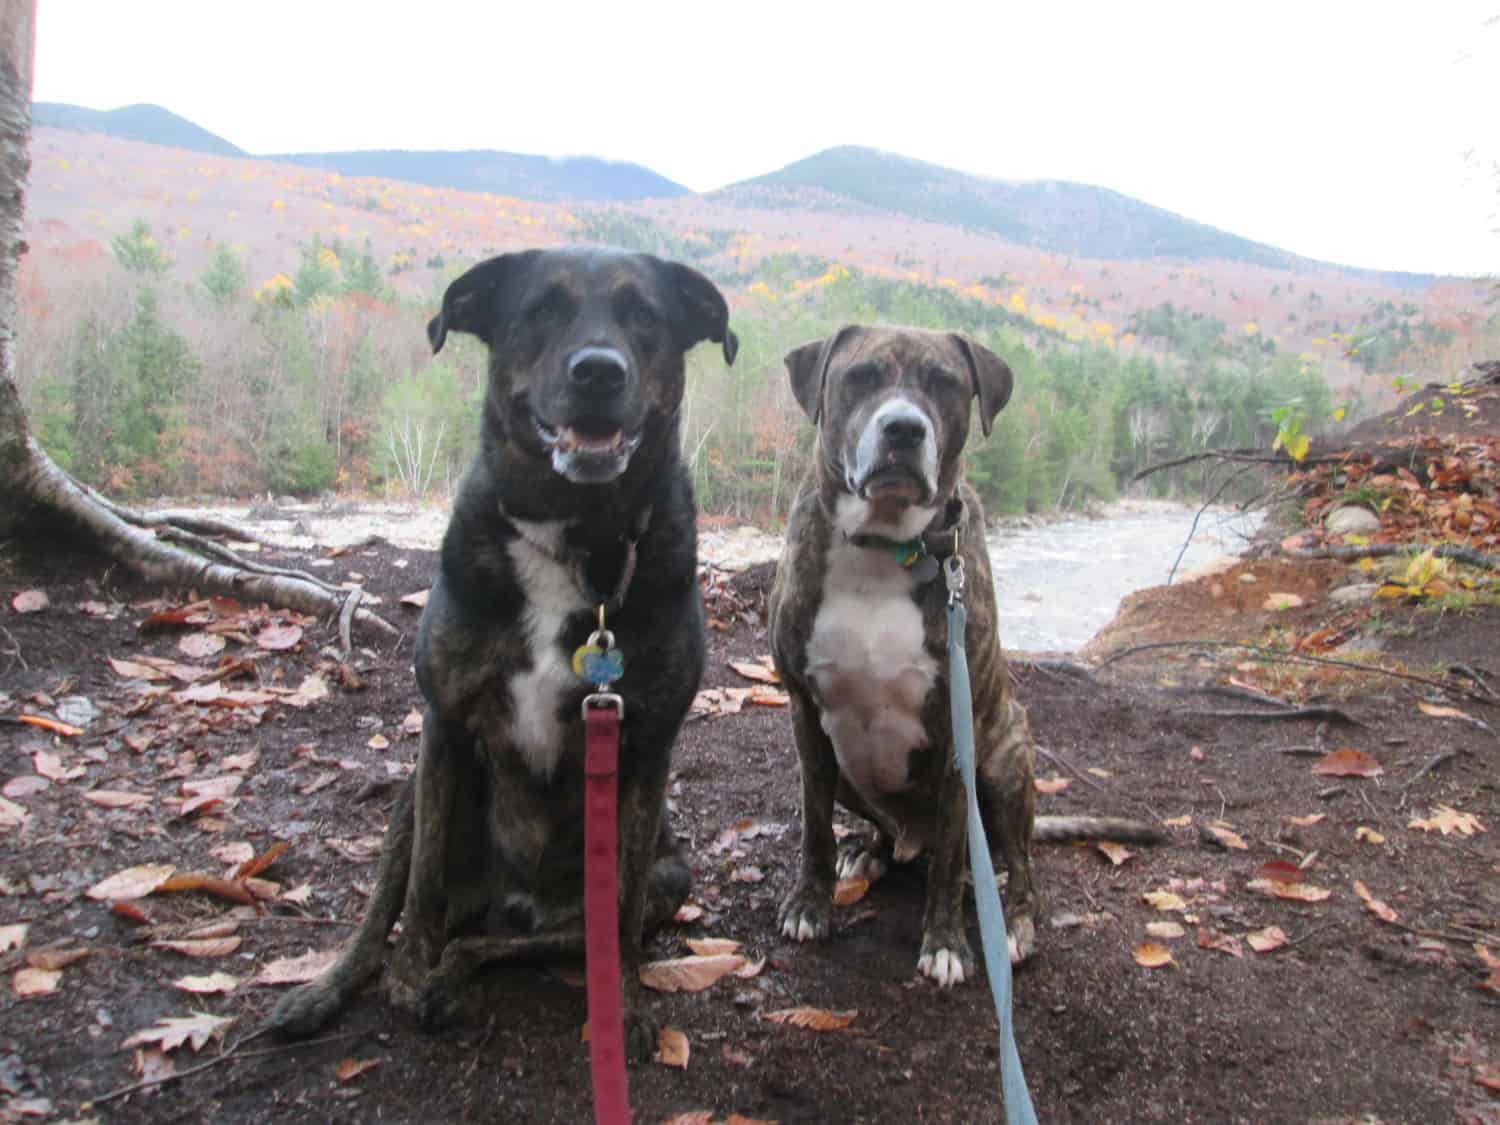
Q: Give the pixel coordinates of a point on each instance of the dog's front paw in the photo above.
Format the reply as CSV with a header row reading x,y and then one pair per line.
x,y
805,913
1022,938
860,860
946,959
305,1009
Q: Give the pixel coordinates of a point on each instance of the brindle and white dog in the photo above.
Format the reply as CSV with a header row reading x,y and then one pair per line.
x,y
858,634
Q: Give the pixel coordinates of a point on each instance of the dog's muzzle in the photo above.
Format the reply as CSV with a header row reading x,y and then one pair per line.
x,y
592,447
895,458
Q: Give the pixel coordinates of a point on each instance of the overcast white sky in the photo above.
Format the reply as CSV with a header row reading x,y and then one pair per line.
x,y
1334,129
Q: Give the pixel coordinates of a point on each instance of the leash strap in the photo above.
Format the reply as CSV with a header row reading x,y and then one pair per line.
x,y
602,712
1018,1108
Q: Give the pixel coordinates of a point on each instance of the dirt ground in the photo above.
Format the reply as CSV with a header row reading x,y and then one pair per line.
x,y
1353,1018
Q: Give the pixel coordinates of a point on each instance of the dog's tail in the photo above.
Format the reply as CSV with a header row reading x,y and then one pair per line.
x,y
1070,829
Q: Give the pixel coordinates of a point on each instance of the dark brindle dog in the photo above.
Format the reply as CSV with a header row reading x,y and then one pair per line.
x,y
858,632
577,499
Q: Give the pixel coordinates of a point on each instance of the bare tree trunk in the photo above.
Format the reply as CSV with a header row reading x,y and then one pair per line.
x,y
35,492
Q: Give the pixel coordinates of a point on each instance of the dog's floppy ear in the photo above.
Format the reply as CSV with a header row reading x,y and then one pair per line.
x,y
991,378
468,304
808,367
706,313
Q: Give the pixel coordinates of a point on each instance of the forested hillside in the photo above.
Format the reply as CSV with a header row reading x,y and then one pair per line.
x,y
207,325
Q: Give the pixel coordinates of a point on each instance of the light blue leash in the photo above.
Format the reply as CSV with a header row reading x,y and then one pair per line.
x,y
1018,1108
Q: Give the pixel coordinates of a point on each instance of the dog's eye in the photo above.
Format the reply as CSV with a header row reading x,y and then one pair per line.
x,y
864,376
552,306
637,314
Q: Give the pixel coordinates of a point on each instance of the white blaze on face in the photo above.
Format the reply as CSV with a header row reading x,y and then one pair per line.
x,y
869,449
536,695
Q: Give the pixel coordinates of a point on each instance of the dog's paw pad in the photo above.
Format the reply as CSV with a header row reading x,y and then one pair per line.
x,y
946,967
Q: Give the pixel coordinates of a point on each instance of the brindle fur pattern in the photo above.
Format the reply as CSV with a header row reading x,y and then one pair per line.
x,y
483,856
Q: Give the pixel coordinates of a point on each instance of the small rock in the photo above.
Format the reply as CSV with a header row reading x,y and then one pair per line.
x,y
1351,519
1248,579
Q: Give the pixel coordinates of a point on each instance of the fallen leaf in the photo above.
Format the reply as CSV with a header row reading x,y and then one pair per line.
x,y
14,936
278,638
688,912
417,600
1380,909
1152,955
200,947
1265,940
234,854
712,946
1448,820
25,785
1226,836
50,765
762,673
30,601
1210,938
814,1019
378,742
1178,821
224,785
151,1065
1347,762
200,646
133,882
1116,853
135,670
115,798
848,891
1299,892
1164,900
688,974
250,868
672,1048
751,969
213,982
1052,784
411,725
35,982
1440,712
12,815
1305,821
1281,871
350,1069
296,970
130,912
1368,835
171,1032
1165,930
54,958
240,762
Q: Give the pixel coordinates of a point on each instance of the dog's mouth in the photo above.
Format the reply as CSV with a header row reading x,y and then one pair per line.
x,y
893,485
587,451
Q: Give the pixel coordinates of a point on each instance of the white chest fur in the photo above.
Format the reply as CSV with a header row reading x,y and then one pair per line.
x,y
536,695
870,666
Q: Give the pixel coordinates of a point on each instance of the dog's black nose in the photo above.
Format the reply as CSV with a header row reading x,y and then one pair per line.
x,y
903,431
597,370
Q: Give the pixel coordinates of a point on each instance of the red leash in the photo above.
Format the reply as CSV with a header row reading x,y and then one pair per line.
x,y
602,713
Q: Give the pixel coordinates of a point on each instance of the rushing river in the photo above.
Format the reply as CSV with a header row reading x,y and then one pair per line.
x,y
1060,583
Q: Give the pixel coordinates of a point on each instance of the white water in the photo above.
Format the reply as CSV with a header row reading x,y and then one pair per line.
x,y
1059,584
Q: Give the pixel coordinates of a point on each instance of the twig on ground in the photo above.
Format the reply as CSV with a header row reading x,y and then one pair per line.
x,y
1297,657
228,1055
1434,763
1056,668
13,652
1323,713
346,620
1245,456
1193,530
1312,932
1058,760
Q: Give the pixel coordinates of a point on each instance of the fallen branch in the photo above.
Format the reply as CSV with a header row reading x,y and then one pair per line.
x,y
1437,760
1332,714
1240,456
1353,552
1193,530
1297,657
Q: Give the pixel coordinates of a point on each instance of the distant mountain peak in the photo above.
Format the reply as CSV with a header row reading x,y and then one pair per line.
x,y
140,122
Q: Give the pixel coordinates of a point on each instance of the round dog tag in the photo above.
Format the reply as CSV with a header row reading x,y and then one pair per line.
x,y
582,653
925,569
601,667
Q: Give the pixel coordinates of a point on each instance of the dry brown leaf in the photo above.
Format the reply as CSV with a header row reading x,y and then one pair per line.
x,y
1448,820
1489,960
133,882
750,969
151,1065
1374,905
1226,836
1051,785
50,765
240,762
253,867
417,600
672,1048
688,912
201,947
688,974
30,601
278,638
222,786
1165,930
712,946
171,1032
1267,939
1297,892
25,785
130,912
12,815
814,1019
350,1069
1178,821
761,673
1347,762
1281,871
115,798
1164,900
1152,955
1115,853
1368,835
1210,938
54,958
136,670
234,854
1305,821
296,970
213,982
849,890
35,982
1439,712
200,646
